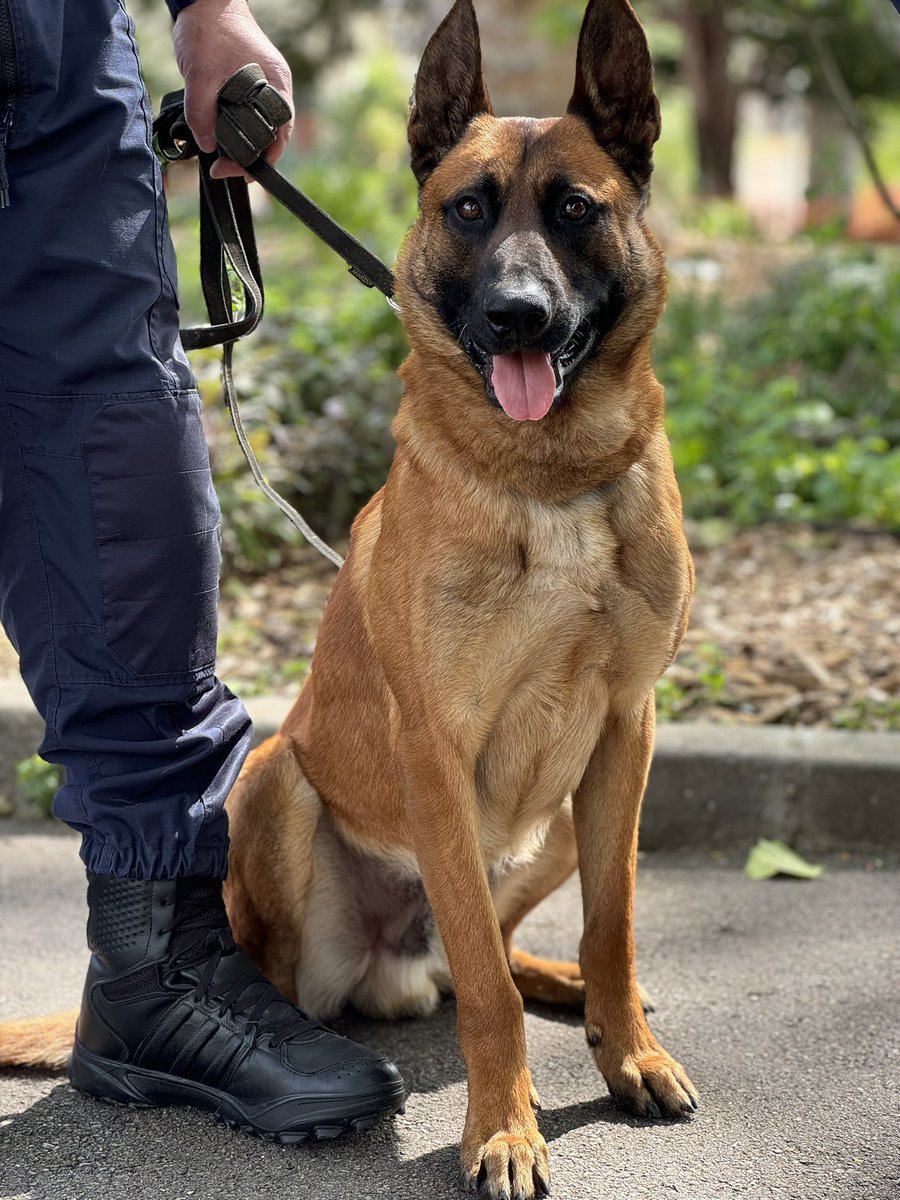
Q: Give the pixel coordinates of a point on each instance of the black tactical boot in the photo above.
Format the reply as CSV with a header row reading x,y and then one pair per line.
x,y
174,1012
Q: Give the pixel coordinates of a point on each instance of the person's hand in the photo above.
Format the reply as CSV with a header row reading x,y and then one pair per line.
x,y
213,39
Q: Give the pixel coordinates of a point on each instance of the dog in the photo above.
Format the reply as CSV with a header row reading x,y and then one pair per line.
x,y
478,719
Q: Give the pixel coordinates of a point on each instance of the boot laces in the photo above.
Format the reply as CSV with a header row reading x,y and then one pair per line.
x,y
249,997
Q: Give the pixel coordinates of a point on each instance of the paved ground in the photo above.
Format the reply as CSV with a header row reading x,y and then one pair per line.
x,y
781,998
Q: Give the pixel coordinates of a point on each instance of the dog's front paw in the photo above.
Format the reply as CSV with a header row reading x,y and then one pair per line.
x,y
507,1166
644,1080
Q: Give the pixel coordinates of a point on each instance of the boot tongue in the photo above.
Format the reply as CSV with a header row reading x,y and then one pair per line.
x,y
199,911
524,383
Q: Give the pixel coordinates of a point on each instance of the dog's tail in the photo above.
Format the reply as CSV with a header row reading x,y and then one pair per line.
x,y
41,1043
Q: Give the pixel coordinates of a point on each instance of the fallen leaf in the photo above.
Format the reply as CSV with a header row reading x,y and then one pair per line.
x,y
775,858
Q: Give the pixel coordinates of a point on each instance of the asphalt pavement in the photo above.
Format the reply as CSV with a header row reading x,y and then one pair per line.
x,y
780,997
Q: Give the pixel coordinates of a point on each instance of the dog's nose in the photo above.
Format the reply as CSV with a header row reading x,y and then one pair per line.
x,y
520,315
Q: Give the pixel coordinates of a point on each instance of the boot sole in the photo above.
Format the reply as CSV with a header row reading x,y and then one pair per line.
x,y
124,1084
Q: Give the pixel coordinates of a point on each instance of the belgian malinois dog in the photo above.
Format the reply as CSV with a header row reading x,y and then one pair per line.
x,y
478,720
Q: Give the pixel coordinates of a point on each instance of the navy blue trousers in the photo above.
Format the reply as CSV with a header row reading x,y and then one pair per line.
x,y
109,525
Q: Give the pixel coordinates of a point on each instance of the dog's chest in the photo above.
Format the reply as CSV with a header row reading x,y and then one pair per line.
x,y
539,633
554,599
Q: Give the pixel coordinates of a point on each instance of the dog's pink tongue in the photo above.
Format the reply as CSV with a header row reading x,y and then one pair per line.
x,y
524,383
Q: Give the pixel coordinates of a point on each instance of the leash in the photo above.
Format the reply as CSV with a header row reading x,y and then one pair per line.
x,y
251,112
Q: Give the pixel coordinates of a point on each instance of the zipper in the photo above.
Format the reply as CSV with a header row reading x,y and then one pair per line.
x,y
9,84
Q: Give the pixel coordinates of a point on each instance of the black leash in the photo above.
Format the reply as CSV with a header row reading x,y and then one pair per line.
x,y
251,112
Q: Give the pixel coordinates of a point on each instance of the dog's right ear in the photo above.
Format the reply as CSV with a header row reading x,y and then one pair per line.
x,y
449,89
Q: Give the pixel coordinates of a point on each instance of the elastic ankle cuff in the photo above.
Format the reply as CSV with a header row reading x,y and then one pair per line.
x,y
144,862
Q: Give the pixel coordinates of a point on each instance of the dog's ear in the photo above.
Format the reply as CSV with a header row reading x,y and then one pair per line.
x,y
614,86
449,89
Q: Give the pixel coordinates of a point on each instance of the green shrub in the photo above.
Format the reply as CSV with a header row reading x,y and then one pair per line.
x,y
39,782
788,404
868,713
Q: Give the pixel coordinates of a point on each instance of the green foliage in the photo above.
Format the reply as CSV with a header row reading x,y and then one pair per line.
x,y
708,685
311,34
867,713
776,51
39,782
788,404
671,700
862,38
715,217
317,397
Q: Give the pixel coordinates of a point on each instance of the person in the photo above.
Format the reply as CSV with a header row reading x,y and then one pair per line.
x,y
109,561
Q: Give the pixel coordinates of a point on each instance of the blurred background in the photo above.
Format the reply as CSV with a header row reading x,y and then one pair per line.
x,y
776,197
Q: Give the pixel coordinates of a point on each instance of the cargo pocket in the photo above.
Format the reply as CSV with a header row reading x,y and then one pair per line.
x,y
157,527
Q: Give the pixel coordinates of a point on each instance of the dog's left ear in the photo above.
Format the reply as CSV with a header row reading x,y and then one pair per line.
x,y
614,86
449,91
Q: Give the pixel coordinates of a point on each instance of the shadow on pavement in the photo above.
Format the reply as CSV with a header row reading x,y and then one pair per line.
x,y
66,1146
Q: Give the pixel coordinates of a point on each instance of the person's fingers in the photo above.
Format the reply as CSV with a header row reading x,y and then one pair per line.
x,y
280,78
280,144
200,109
224,168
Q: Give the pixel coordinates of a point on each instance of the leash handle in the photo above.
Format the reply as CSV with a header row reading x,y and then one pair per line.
x,y
251,112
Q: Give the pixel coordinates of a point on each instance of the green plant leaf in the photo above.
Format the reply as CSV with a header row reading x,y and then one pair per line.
x,y
775,858
39,782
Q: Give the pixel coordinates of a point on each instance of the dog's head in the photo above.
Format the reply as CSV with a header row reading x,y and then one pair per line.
x,y
530,244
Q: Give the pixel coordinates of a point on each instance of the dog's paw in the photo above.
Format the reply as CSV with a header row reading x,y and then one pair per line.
x,y
507,1167
645,1081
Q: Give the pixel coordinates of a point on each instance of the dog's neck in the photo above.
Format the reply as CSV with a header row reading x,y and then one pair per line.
x,y
593,437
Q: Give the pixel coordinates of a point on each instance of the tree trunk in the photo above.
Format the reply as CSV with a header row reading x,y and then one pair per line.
x,y
707,41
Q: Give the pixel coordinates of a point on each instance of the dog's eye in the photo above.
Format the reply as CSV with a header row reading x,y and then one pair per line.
x,y
469,209
576,208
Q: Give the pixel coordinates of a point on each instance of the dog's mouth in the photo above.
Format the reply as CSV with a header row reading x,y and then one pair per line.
x,y
526,383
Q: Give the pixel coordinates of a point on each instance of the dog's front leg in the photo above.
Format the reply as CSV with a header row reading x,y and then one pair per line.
x,y
641,1076
502,1151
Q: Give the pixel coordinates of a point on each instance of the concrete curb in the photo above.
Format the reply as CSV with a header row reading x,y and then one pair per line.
x,y
711,786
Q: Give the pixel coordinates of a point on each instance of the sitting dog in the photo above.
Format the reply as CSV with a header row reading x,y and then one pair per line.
x,y
478,720
479,715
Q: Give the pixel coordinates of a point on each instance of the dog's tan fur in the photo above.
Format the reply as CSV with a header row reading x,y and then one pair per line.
x,y
479,715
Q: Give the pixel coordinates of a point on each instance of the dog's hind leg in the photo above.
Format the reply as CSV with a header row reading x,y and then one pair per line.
x,y
517,893
273,813
549,980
